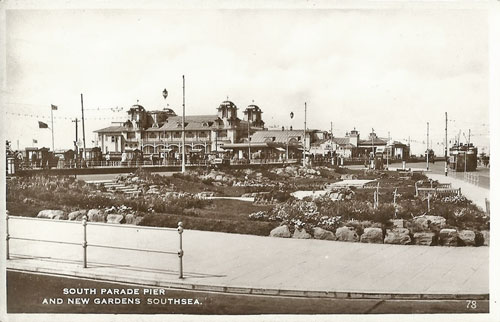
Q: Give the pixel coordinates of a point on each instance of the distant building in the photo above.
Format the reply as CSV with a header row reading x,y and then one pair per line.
x,y
274,144
159,133
351,146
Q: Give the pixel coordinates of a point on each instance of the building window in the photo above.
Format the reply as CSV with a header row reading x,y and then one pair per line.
x,y
152,135
203,134
112,139
131,135
190,135
177,135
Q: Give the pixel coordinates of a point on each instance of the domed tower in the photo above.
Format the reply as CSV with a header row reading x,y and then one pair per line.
x,y
354,137
227,112
137,115
254,116
159,117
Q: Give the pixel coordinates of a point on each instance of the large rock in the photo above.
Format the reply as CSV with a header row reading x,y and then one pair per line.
x,y
466,238
397,223
96,215
448,237
346,234
281,231
77,215
320,233
486,237
424,238
114,219
399,236
372,235
52,214
301,233
426,223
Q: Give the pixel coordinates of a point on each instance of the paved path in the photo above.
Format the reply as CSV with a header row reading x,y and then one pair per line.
x,y
218,260
474,193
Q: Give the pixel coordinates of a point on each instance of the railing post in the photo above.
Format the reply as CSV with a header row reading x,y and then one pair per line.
x,y
84,244
180,252
7,237
428,203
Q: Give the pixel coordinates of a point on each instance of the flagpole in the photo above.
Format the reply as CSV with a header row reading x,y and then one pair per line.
x,y
52,118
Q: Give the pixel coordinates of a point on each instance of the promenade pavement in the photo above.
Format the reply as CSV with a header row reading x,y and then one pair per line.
x,y
264,265
473,192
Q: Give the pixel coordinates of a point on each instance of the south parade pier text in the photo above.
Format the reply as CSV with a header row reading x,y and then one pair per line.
x,y
117,296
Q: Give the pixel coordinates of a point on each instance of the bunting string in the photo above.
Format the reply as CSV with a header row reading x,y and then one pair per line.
x,y
38,116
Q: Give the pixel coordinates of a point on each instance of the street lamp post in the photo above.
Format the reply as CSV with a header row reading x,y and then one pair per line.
x,y
304,163
183,124
427,151
288,138
164,158
249,155
372,165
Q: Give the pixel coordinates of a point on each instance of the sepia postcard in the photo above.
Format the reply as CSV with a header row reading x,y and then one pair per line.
x,y
249,160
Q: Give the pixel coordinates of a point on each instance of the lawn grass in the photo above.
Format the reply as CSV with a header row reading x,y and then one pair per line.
x,y
229,216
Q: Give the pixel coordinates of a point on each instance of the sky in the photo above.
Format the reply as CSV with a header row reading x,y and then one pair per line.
x,y
392,70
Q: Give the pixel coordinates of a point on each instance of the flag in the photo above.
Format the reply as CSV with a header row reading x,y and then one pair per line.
x,y
42,125
35,141
54,108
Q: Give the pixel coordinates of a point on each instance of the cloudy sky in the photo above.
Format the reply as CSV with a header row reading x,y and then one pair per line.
x,y
388,69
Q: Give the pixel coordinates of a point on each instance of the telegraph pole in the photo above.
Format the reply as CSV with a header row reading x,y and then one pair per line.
x,y
304,139
389,149
83,128
76,134
183,121
446,144
331,143
427,151
466,150
52,118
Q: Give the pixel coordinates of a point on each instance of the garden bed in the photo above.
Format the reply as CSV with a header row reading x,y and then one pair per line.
x,y
163,201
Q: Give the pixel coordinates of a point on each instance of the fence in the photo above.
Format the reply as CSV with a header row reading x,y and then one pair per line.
x,y
148,163
85,243
471,177
437,189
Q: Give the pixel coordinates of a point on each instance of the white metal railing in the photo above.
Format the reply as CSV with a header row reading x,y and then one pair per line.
x,y
84,243
471,177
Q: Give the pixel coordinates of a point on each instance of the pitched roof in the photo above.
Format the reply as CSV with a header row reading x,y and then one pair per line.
x,y
115,128
192,122
319,142
398,143
376,141
341,141
276,135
